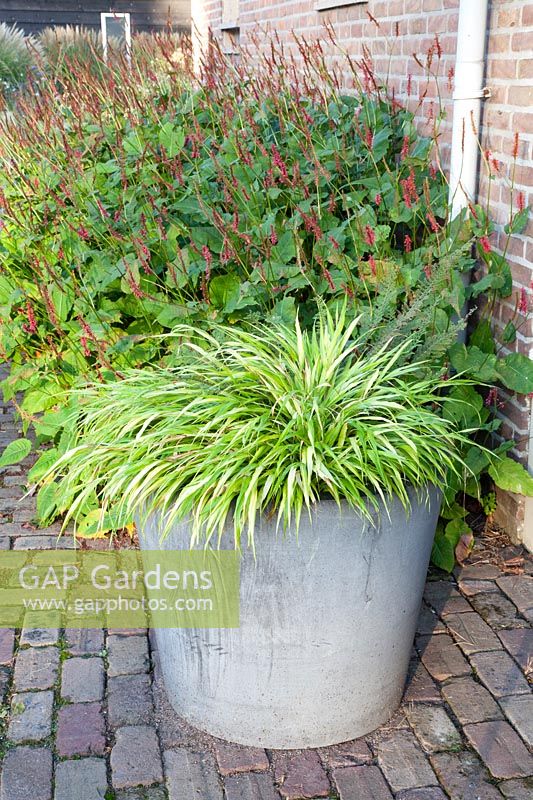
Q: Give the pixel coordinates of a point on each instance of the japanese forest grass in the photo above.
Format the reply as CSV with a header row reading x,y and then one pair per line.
x,y
247,422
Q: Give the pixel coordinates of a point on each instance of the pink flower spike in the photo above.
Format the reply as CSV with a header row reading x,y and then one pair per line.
x,y
370,236
492,397
485,244
208,258
435,227
31,325
329,279
523,304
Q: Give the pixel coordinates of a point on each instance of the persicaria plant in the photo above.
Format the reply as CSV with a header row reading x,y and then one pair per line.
x,y
137,200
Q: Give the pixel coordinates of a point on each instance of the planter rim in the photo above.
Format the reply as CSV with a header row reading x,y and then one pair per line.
x,y
420,495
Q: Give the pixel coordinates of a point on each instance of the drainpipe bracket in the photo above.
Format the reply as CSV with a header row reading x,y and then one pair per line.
x,y
483,94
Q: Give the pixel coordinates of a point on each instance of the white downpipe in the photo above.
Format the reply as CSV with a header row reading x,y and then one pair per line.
x,y
199,33
467,96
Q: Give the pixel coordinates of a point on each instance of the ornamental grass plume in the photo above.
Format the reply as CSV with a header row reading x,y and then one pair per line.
x,y
17,53
262,421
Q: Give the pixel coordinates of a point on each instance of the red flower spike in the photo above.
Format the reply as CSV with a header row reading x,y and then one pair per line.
x,y
329,279
523,304
370,236
208,258
485,244
31,325
435,227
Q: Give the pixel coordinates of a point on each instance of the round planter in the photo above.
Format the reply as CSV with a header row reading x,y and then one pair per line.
x,y
327,626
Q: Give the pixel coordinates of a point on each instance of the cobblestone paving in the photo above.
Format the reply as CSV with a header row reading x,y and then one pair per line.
x,y
84,714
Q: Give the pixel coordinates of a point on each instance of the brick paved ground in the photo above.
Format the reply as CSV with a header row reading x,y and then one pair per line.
x,y
85,716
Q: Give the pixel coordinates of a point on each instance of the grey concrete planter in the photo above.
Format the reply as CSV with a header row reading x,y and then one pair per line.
x,y
327,626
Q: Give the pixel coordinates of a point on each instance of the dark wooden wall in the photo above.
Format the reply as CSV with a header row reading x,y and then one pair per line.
x,y
33,15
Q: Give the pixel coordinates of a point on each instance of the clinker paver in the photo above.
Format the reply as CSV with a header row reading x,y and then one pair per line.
x,y
82,779
81,730
519,711
433,727
501,749
481,571
442,657
464,777
300,775
31,716
472,633
7,645
363,783
499,673
471,587
150,793
129,701
429,622
470,701
27,774
519,643
191,773
425,793
497,610
136,757
347,754
39,637
250,786
82,680
444,597
36,668
403,762
420,686
519,589
84,641
127,655
517,788
232,758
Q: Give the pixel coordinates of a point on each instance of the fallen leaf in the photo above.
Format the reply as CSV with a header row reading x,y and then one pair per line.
x,y
464,547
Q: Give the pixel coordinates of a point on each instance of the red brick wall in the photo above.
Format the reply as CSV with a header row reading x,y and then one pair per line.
x,y
510,109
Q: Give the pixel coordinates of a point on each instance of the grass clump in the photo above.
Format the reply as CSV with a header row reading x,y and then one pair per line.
x,y
16,58
262,421
71,48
